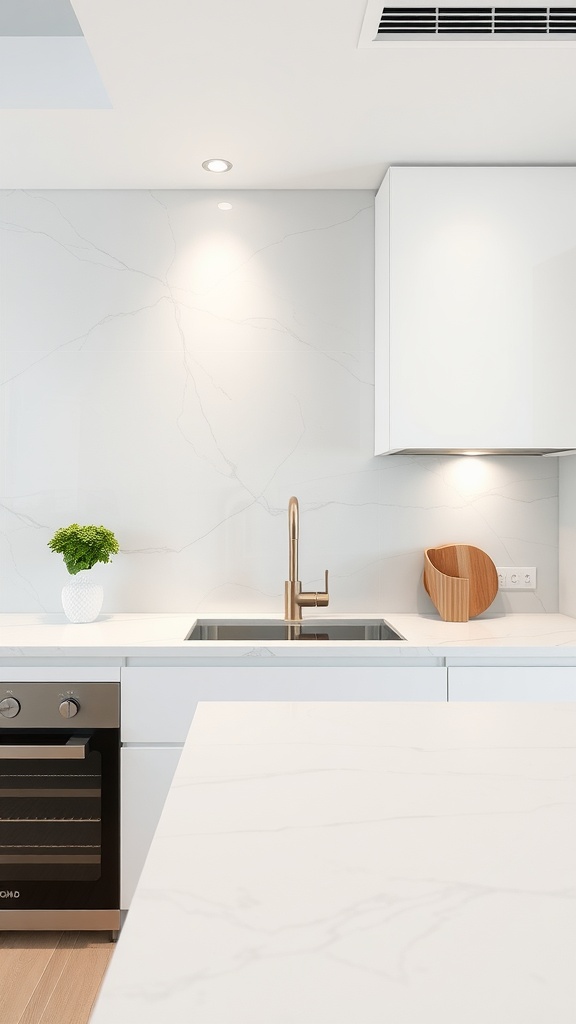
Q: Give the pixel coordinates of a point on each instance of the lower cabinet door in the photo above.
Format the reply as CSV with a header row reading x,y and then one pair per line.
x,y
512,684
146,774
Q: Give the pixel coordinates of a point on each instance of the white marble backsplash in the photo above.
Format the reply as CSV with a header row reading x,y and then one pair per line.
x,y
567,535
176,372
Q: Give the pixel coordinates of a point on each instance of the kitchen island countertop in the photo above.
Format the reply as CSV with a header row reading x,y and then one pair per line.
x,y
330,863
141,635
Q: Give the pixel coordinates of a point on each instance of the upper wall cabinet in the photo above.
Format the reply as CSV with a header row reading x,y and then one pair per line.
x,y
476,310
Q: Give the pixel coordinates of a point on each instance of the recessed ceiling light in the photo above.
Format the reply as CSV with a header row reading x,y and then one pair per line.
x,y
216,164
224,206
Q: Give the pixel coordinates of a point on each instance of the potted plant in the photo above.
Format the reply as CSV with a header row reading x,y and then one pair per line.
x,y
82,547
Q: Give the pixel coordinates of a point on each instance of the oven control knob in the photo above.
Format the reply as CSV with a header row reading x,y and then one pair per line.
x,y
69,707
9,707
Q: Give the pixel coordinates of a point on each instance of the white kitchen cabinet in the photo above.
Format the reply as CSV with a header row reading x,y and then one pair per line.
x,y
146,774
475,309
512,684
158,705
157,708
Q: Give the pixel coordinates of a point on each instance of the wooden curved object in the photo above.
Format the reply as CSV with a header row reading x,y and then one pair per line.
x,y
461,580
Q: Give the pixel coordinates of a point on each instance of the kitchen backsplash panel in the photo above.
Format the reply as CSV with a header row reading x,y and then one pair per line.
x,y
567,537
176,372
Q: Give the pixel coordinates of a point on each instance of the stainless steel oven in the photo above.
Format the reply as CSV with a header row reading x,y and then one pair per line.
x,y
59,806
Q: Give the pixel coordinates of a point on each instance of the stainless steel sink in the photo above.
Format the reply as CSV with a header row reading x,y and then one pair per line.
x,y
279,629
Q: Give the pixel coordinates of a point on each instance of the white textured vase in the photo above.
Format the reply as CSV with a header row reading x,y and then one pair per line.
x,y
82,599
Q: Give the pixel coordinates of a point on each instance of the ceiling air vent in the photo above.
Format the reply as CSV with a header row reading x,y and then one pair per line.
x,y
404,21
466,20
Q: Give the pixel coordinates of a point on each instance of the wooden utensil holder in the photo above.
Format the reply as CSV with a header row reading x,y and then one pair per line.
x,y
460,579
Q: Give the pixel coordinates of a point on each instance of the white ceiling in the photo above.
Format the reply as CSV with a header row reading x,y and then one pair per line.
x,y
284,92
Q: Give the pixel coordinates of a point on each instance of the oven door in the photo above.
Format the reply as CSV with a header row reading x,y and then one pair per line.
x,y
59,824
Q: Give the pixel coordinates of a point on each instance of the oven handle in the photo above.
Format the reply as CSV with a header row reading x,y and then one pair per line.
x,y
77,747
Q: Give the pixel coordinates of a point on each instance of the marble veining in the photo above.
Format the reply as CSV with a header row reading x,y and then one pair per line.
x,y
551,637
328,863
177,372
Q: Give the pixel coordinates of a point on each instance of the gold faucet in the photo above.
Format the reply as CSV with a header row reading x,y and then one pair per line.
x,y
294,597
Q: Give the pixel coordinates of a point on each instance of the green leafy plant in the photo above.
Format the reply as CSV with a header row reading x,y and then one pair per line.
x,y
83,546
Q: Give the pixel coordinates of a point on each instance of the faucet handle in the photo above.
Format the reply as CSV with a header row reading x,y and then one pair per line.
x,y
312,598
322,596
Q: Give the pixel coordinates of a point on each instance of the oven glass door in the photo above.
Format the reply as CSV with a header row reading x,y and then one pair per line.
x,y
59,811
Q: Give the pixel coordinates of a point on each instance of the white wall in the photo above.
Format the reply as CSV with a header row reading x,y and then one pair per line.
x,y
176,372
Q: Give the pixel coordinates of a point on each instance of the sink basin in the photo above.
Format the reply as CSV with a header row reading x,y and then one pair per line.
x,y
279,629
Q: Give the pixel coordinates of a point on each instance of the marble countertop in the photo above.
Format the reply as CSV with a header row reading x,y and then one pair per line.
x,y
334,863
162,635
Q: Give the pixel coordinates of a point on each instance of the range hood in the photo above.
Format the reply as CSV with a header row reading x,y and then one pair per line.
x,y
476,311
553,452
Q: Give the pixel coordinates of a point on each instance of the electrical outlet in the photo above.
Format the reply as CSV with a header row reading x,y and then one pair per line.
x,y
516,577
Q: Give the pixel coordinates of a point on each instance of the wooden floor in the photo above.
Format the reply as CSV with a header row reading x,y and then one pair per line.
x,y
51,977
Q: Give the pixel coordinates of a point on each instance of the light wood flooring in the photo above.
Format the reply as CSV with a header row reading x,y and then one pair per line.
x,y
51,977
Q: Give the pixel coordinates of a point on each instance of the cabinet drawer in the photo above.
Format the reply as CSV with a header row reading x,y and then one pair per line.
x,y
158,703
513,684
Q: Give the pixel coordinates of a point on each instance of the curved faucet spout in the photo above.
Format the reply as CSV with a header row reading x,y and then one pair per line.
x,y
294,597
293,535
